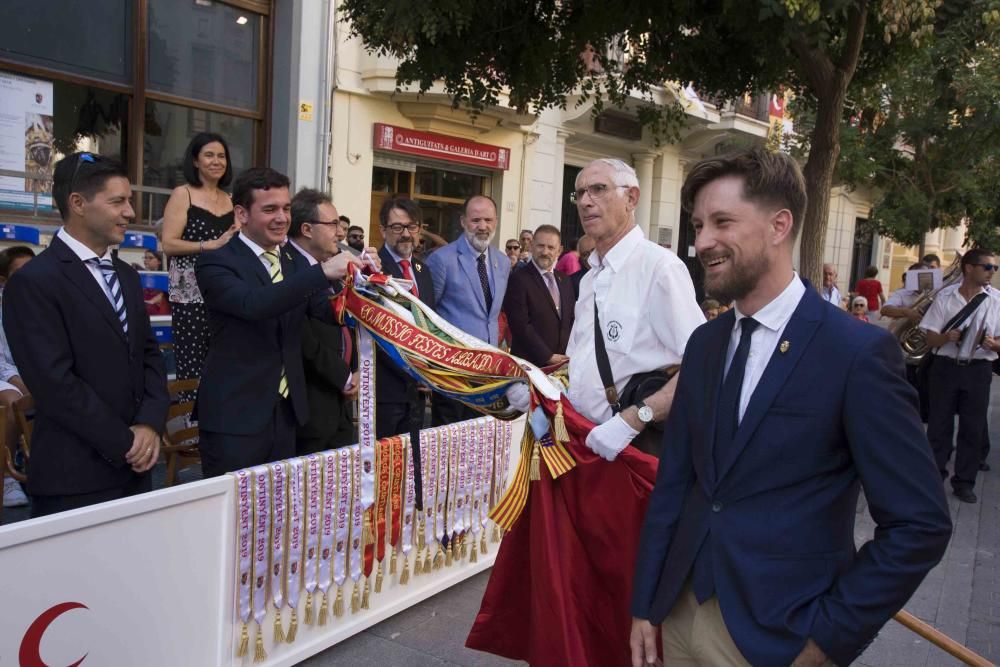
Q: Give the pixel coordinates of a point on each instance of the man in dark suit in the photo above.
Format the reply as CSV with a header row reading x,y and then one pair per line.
x,y
399,399
584,247
470,280
253,389
330,385
81,339
539,303
748,541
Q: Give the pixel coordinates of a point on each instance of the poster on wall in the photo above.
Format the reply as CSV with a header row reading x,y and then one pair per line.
x,y
27,140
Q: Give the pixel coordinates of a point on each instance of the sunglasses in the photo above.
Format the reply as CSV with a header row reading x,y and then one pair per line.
x,y
990,267
83,157
513,247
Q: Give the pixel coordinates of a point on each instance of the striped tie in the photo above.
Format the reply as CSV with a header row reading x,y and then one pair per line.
x,y
271,256
114,288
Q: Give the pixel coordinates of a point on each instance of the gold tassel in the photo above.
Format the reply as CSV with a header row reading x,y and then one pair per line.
x,y
465,547
496,533
324,611
241,651
392,563
427,560
309,608
378,579
404,577
534,470
418,564
449,553
279,633
482,543
421,543
355,600
438,559
472,558
293,627
561,434
338,603
259,655
366,596
366,532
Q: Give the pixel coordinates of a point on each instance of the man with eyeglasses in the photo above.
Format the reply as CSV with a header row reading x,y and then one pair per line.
x,y
326,347
963,330
470,280
356,237
399,400
646,306
83,345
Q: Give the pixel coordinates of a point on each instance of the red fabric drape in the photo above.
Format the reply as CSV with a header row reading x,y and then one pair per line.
x,y
560,590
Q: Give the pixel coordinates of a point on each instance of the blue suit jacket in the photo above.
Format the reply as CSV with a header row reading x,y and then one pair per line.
x,y
458,293
831,413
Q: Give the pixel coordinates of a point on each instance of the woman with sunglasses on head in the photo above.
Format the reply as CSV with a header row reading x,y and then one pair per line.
x,y
198,218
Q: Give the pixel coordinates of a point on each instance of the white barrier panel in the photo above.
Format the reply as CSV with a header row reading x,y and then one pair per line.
x,y
150,580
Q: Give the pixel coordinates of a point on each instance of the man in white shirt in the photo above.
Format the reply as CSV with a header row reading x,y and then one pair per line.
x,y
830,293
965,339
645,302
900,303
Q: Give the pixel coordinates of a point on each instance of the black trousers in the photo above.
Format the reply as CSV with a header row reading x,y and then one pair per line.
x,y
446,411
963,390
45,505
226,452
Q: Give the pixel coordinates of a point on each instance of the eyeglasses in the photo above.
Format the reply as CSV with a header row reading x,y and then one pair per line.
x,y
990,267
397,228
323,222
81,158
513,247
596,191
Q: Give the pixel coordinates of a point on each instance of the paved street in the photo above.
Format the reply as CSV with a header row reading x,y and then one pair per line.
x,y
961,597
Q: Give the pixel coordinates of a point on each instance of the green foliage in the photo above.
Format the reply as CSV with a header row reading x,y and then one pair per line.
x,y
927,136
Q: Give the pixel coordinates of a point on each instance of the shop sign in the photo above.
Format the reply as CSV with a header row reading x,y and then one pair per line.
x,y
440,146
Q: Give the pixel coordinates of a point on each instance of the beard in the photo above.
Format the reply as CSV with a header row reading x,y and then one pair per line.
x,y
739,281
478,243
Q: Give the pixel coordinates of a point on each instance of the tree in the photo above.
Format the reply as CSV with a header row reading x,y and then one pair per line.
x,y
531,50
927,134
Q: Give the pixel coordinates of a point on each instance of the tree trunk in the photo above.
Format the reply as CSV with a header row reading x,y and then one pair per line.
x,y
818,172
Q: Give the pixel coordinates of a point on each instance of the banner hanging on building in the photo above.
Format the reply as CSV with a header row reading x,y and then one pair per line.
x,y
440,146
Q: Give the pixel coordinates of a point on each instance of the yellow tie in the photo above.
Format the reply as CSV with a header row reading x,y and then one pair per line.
x,y
272,258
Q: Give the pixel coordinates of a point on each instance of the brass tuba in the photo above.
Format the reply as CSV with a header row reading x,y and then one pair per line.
x,y
910,336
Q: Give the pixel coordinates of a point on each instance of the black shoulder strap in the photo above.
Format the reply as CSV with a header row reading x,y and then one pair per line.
x,y
604,365
963,314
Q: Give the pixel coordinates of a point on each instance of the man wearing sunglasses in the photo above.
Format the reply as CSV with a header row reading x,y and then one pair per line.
x,y
83,344
963,330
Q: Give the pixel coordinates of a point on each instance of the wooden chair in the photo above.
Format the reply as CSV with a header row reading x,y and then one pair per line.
x,y
180,442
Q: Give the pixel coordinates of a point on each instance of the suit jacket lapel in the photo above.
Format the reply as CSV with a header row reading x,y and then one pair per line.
x,y
798,332
717,348
536,277
254,263
135,307
389,265
81,277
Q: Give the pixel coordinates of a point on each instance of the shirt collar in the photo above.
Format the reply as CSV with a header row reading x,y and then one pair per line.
x,y
309,258
541,270
257,250
396,258
80,250
776,314
615,258
475,252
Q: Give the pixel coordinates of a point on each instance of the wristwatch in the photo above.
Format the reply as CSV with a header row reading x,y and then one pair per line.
x,y
645,412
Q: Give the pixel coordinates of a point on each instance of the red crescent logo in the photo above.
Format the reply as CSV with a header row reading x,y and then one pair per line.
x,y
29,655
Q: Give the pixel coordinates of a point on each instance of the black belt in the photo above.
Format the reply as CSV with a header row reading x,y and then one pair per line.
x,y
962,362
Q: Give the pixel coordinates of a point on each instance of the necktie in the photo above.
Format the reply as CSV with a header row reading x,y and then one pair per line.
x,y
726,423
727,418
114,291
272,258
550,282
405,265
484,281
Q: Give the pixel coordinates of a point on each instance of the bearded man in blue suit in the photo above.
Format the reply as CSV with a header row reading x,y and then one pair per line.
x,y
470,280
785,408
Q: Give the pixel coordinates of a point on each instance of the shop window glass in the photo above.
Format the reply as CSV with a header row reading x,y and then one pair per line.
x,y
441,183
204,50
76,118
91,38
169,128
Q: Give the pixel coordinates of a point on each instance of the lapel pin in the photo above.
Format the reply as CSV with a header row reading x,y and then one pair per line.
x,y
418,267
784,346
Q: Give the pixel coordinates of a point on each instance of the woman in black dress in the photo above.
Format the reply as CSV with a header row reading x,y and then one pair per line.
x,y
198,218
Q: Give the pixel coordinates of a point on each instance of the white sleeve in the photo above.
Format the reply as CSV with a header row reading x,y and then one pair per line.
x,y
934,319
673,308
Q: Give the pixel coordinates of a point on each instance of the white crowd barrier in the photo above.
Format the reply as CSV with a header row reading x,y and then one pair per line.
x,y
151,580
